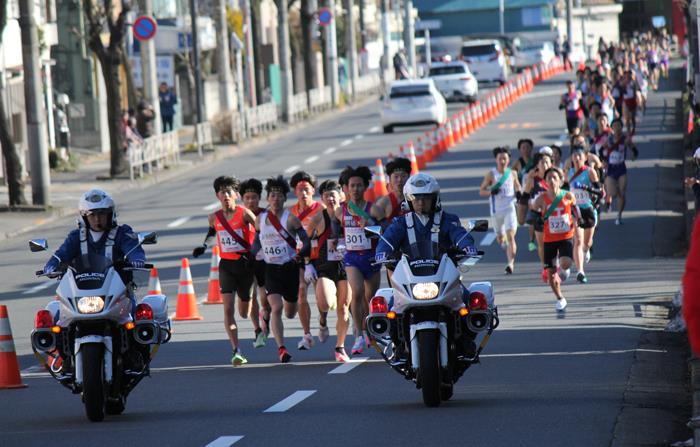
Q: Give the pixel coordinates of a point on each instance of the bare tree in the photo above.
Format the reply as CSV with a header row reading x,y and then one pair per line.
x,y
110,16
9,149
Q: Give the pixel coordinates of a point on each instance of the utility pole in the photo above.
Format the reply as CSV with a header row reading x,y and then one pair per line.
x,y
249,56
408,36
148,71
569,25
501,20
285,59
363,39
237,46
386,37
36,132
224,59
351,51
195,60
332,54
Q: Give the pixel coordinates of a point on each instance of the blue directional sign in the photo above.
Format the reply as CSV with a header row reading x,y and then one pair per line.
x,y
324,16
145,28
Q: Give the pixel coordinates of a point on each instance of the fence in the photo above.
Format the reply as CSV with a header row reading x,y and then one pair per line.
x,y
153,153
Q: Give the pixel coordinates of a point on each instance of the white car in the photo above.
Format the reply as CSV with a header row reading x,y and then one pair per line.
x,y
485,59
454,80
532,53
411,102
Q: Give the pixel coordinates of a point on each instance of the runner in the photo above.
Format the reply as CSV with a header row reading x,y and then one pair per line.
x,y
615,153
277,229
392,205
571,104
502,187
233,227
559,213
632,97
327,263
522,166
363,276
251,192
534,186
304,186
583,182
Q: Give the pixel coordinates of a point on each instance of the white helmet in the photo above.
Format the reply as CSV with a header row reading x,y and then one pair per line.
x,y
97,199
419,185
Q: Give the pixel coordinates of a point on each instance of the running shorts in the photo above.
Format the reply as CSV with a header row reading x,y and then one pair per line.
x,y
363,262
236,276
589,217
259,268
283,280
505,221
333,270
563,249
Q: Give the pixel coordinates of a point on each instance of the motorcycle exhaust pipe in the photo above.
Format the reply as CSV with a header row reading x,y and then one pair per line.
x,y
146,333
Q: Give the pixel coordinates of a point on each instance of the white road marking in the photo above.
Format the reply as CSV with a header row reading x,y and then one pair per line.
x,y
311,159
177,222
375,129
289,402
291,169
39,287
349,366
359,136
212,206
346,142
224,441
488,239
330,150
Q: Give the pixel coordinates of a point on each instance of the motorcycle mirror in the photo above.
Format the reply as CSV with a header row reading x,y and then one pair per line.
x,y
38,245
374,229
481,225
148,238
467,263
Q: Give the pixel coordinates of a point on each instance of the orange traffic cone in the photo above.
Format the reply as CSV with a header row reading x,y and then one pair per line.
x,y
154,283
449,138
456,135
214,292
380,188
9,367
435,142
468,113
412,158
186,299
420,154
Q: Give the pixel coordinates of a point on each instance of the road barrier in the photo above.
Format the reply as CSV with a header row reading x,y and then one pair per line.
x,y
203,137
154,152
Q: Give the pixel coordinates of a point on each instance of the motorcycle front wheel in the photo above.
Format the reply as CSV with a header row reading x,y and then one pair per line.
x,y
93,381
429,366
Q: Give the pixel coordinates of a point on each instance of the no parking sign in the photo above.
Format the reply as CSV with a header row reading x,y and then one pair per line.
x,y
145,28
324,16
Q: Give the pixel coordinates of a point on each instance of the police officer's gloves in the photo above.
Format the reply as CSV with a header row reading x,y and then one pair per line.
x,y
495,191
137,264
49,268
471,250
199,251
310,274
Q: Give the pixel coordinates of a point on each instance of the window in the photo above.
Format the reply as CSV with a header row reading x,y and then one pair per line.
x,y
409,91
479,50
449,70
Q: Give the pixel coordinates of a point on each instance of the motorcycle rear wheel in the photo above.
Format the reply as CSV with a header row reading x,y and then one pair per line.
x,y
429,367
93,381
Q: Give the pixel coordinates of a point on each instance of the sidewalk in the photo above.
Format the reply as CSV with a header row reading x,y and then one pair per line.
x,y
93,172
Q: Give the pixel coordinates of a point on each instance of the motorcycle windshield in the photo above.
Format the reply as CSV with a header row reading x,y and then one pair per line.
x,y
424,259
90,271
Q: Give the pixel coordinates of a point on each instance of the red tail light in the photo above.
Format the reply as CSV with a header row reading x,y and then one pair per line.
x,y
477,301
43,319
378,305
143,312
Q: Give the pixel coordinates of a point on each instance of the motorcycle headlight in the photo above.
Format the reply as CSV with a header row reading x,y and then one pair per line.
x,y
91,304
425,290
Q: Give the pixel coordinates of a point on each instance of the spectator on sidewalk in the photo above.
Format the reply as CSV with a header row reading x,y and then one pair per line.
x,y
694,181
144,118
168,99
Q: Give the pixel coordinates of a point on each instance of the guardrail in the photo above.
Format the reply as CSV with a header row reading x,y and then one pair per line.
x,y
261,118
320,99
153,153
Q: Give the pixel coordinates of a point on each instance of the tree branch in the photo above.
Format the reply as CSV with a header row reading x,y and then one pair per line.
x,y
94,29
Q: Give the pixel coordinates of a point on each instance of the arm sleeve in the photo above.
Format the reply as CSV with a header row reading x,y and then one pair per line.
x,y
211,232
257,246
305,242
67,251
459,236
127,243
391,239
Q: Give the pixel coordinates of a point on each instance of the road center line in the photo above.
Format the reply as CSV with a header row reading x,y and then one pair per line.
x,y
349,366
359,136
291,169
375,129
329,151
311,159
289,402
488,239
39,287
212,206
177,222
346,142
224,441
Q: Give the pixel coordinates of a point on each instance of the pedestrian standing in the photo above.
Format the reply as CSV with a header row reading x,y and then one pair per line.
x,y
168,99
144,118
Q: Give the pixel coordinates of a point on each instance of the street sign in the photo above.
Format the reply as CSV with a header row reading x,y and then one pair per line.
x,y
324,16
145,28
422,25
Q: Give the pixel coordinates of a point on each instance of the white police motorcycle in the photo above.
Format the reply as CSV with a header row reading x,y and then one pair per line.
x,y
421,325
88,338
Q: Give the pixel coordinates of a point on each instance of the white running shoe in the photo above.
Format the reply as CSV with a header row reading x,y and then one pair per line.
x,y
306,342
323,334
561,304
564,274
587,256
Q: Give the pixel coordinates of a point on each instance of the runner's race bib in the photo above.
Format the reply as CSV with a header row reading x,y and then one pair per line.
x,y
581,196
228,243
333,253
559,224
355,239
275,252
616,157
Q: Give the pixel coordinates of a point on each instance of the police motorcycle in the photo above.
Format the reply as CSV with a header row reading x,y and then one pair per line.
x,y
88,339
421,325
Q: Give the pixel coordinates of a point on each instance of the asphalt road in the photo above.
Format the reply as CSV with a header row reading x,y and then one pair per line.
x,y
546,379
